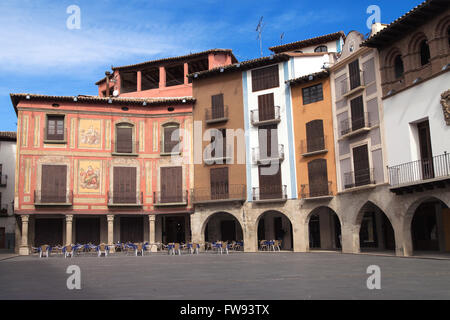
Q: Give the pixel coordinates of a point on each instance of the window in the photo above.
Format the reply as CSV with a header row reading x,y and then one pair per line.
x,y
222,139
266,107
219,183
265,78
318,178
53,184
357,112
55,127
424,53
171,184
124,138
321,49
171,138
314,136
361,166
312,94
398,67
355,76
217,106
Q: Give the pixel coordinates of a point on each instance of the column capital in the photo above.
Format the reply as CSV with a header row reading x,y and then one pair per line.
x,y
110,217
69,217
25,217
152,217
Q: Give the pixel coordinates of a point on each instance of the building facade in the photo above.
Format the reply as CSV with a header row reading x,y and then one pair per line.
x,y
7,174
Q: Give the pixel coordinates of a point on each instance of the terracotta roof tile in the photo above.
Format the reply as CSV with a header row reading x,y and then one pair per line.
x,y
8,136
308,42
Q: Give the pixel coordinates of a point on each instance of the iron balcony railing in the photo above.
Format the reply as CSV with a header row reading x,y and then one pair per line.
x,y
59,197
353,124
170,197
316,144
3,180
316,190
273,192
257,118
261,156
216,114
420,170
219,155
134,148
125,199
348,84
219,194
359,178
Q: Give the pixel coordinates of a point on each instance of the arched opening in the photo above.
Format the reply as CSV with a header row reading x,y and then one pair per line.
x,y
424,53
321,49
223,226
430,227
398,67
273,225
324,230
376,232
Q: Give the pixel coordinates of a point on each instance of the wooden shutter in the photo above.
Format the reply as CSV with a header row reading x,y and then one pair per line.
x,y
355,77
357,110
270,185
266,107
318,178
426,152
171,184
171,139
125,185
217,106
361,165
219,183
314,136
124,140
265,78
266,134
53,184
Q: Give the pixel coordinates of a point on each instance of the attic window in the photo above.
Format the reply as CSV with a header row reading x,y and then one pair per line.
x,y
321,49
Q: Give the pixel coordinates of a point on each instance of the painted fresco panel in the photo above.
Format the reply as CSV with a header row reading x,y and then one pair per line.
x,y
90,134
89,176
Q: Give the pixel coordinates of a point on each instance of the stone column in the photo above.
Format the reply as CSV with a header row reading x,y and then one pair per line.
x,y
24,249
350,239
69,226
152,231
197,236
110,219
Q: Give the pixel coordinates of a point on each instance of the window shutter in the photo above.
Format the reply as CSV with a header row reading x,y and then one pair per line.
x,y
219,183
361,165
171,139
318,177
266,107
55,127
355,79
217,106
314,136
171,184
124,185
270,185
357,111
53,184
265,78
124,140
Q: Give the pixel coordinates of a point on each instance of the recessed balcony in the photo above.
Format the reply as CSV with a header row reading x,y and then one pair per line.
x,y
259,118
226,193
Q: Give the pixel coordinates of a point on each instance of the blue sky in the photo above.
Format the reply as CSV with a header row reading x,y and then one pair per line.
x,y
39,54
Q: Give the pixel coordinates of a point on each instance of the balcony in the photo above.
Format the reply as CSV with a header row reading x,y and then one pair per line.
x,y
354,126
351,86
261,157
229,193
218,157
258,119
216,115
314,146
59,198
359,178
420,175
269,194
317,191
3,180
133,153
125,199
168,199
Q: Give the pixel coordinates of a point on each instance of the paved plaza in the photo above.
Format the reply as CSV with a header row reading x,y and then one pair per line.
x,y
299,276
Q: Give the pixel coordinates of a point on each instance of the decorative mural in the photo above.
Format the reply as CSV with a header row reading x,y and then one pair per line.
x,y
90,134
445,101
89,176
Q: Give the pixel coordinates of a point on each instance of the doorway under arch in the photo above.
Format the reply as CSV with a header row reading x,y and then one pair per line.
x,y
324,229
274,225
222,226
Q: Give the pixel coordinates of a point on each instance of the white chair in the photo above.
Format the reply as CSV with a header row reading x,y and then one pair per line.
x,y
139,249
102,249
44,251
68,251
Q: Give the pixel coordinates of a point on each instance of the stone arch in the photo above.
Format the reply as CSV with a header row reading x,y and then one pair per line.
x,y
407,225
280,227
390,63
374,228
442,31
239,227
325,232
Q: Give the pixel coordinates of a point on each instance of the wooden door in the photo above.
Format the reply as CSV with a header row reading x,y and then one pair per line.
x,y
270,186
426,153
268,141
125,185
53,184
219,183
217,106
266,107
357,111
361,165
314,136
318,178
355,78
171,184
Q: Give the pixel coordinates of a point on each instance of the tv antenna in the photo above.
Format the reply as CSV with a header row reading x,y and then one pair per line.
x,y
281,38
259,29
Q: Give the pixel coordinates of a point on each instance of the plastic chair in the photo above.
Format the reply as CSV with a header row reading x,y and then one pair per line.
x,y
102,249
224,247
139,248
263,245
68,251
277,245
44,251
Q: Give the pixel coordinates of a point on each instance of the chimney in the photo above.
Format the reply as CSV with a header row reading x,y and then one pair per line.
x,y
107,74
377,27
